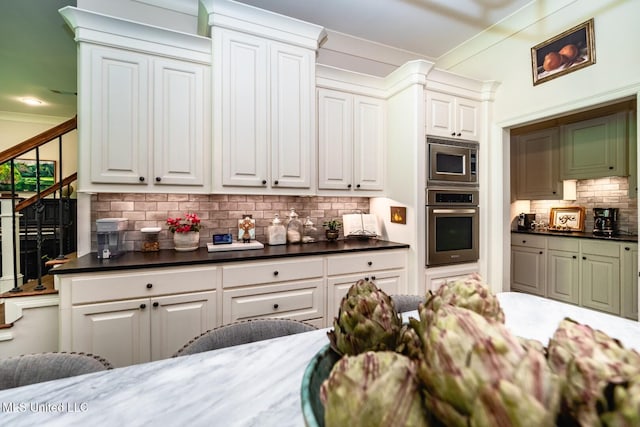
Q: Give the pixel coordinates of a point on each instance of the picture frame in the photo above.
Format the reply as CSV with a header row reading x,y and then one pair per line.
x,y
398,214
25,175
565,53
567,219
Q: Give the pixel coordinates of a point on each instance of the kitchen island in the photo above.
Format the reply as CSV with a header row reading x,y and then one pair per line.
x,y
256,384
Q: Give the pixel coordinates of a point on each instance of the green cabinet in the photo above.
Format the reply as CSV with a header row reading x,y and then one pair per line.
x,y
629,268
600,272
528,264
537,164
595,148
563,269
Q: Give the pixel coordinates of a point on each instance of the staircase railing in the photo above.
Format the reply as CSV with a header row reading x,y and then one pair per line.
x,y
18,213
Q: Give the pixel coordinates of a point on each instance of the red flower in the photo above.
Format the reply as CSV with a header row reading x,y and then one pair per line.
x,y
190,222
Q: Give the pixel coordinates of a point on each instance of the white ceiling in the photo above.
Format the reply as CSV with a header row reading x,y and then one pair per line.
x,y
37,51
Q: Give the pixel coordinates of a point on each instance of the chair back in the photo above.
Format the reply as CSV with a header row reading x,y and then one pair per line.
x,y
243,332
407,302
35,368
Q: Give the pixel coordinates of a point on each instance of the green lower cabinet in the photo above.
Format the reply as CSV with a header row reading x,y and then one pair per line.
x,y
629,268
601,283
563,280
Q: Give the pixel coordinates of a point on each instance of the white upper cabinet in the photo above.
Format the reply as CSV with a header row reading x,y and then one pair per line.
x,y
452,116
351,141
263,100
143,105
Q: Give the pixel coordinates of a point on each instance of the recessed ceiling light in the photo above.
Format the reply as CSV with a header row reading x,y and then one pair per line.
x,y
32,101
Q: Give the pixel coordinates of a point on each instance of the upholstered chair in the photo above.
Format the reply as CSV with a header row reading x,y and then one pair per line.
x,y
407,302
28,369
243,332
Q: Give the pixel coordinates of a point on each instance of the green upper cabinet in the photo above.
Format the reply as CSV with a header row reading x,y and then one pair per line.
x,y
595,148
633,158
538,165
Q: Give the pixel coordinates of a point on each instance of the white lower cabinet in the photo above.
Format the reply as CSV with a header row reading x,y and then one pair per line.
x,y
136,317
142,315
437,276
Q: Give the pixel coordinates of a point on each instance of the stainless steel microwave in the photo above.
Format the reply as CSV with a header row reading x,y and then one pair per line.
x,y
451,162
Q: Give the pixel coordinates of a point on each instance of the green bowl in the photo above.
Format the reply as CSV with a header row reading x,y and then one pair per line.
x,y
317,371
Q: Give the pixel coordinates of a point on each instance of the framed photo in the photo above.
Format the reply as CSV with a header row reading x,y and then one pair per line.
x,y
565,53
25,175
567,219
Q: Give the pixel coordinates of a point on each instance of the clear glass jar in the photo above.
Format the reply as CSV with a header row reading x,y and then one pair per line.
x,y
309,232
276,232
150,241
294,227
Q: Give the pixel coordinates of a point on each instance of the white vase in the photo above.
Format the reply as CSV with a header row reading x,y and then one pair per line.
x,y
186,241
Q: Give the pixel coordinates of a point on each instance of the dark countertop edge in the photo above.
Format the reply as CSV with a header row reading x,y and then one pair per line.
x,y
90,263
632,238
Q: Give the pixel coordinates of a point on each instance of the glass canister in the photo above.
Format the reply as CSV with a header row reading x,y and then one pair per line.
x,y
276,232
294,227
150,241
309,231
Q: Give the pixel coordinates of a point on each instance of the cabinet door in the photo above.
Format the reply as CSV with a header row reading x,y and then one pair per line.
x,y
240,64
595,148
118,122
563,276
292,72
601,283
180,117
179,318
538,165
440,114
630,281
389,281
335,140
467,119
528,270
117,331
369,143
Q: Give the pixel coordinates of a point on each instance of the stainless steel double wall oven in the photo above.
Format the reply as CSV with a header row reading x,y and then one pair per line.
x,y
452,213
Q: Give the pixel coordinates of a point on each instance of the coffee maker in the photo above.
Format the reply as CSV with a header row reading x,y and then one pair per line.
x,y
605,221
526,220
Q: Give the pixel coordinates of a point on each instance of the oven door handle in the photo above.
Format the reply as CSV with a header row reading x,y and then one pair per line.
x,y
454,211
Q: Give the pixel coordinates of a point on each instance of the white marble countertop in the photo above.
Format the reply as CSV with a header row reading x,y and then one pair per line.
x,y
255,384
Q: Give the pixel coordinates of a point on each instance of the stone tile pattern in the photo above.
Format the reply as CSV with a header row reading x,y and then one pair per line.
x,y
611,192
219,213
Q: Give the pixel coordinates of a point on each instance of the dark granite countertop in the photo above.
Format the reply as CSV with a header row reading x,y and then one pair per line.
x,y
170,258
582,235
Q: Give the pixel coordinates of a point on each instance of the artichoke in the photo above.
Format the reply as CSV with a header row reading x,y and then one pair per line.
x,y
476,373
473,294
373,389
601,375
367,321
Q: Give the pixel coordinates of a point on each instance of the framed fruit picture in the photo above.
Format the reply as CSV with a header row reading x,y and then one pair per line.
x,y
565,53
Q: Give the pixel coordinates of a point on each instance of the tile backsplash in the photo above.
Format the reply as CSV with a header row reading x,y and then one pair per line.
x,y
219,213
611,192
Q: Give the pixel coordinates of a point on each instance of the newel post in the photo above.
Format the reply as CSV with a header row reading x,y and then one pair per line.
x,y
9,236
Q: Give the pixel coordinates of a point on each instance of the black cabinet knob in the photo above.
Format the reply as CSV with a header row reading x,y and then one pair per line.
x,y
373,277
366,278
275,182
627,248
358,186
453,134
155,304
459,134
554,192
524,241
275,306
370,263
143,306
540,252
141,179
149,285
610,168
348,185
275,273
264,182
584,257
158,179
575,257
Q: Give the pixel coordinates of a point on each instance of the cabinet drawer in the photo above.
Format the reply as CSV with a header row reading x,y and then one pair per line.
x,y
366,262
271,272
563,244
297,300
114,286
595,247
528,240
